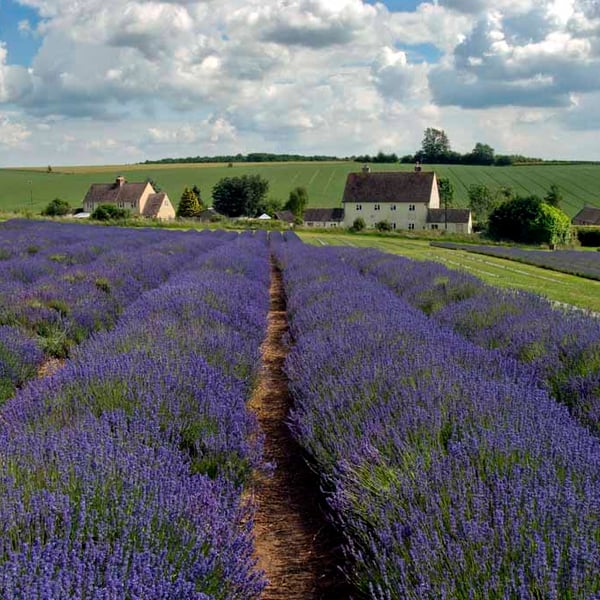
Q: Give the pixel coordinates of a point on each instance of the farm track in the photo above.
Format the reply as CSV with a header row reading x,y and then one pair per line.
x,y
294,545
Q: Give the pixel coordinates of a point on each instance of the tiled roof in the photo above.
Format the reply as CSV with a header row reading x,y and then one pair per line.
x,y
285,215
454,215
112,193
590,215
153,204
395,186
323,215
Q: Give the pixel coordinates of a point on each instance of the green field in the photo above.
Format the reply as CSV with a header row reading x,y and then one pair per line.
x,y
32,189
559,287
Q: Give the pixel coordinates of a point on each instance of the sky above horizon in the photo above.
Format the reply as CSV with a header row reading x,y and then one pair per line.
x,y
121,81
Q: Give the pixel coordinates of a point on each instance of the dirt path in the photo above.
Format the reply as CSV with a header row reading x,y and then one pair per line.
x,y
294,546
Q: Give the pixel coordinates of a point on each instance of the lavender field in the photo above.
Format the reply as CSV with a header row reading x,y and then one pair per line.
x,y
575,262
451,468
454,427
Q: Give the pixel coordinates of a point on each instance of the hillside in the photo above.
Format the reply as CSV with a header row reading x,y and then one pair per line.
x,y
22,189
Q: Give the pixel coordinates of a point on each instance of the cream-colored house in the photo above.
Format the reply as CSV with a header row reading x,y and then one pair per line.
x,y
405,199
401,198
139,198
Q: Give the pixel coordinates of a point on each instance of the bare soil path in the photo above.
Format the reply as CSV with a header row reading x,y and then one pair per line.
x,y
294,546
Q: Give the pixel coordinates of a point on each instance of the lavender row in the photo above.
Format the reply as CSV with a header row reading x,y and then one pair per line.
x,y
121,475
449,471
54,298
562,346
575,262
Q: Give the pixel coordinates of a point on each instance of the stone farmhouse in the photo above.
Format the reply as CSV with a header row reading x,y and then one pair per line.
x,y
406,200
140,198
589,215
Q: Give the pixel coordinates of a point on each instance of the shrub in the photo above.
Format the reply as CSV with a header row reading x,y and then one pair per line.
x,y
588,236
383,226
109,212
57,208
358,225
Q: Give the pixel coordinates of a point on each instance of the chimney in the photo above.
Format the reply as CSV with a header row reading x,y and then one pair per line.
x,y
120,181
417,167
366,169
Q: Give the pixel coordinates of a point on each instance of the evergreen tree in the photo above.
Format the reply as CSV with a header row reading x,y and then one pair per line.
x,y
189,206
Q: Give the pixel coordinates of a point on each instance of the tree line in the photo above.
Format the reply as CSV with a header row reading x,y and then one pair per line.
x,y
253,157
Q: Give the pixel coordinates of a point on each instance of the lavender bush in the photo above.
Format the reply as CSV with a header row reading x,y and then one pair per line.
x,y
449,471
122,474
60,283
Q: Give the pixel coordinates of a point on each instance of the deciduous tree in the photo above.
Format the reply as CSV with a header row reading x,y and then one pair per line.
x,y
554,196
435,146
297,201
481,201
240,196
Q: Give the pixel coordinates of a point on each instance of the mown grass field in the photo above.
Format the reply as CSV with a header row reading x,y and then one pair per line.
x,y
559,287
32,189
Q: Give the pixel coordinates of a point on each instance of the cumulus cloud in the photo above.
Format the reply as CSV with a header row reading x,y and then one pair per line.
x,y
12,134
331,76
499,64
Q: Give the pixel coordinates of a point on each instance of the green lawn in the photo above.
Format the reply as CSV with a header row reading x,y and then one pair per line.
x,y
556,286
32,189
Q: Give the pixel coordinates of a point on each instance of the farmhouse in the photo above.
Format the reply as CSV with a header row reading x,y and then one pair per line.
x,y
589,215
405,200
140,198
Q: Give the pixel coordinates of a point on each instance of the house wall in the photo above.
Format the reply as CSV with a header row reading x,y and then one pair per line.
x,y
166,211
139,208
323,224
401,215
453,227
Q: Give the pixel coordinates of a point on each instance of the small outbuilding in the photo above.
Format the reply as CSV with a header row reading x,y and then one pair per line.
x,y
454,220
323,217
589,215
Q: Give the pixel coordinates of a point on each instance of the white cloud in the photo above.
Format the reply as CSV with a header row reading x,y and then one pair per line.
x,y
12,134
327,76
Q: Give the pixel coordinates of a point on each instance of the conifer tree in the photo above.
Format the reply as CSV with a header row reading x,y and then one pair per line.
x,y
189,206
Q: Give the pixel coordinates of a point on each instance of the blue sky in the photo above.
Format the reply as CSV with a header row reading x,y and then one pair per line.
x,y
22,45
100,81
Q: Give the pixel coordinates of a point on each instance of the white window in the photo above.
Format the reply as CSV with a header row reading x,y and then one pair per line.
x,y
359,207
393,207
434,226
411,207
393,225
411,225
377,207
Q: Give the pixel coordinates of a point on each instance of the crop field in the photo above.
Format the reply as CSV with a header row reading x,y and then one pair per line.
x,y
32,189
495,270
454,426
584,264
